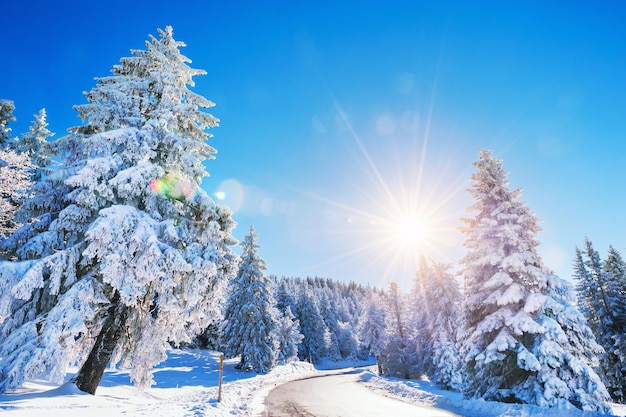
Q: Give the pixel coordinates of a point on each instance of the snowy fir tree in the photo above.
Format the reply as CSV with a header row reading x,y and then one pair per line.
x,y
614,343
28,168
419,316
501,270
398,357
15,183
35,142
284,295
127,255
508,341
15,175
340,320
250,317
567,354
331,323
288,336
313,345
592,286
372,329
7,107
209,338
436,316
601,288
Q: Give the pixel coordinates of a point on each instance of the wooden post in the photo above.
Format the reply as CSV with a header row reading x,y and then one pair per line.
x,y
219,389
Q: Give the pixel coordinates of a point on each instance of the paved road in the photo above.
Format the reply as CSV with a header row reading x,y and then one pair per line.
x,y
339,394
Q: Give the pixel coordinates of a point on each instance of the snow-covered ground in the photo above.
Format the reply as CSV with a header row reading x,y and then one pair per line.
x,y
423,392
187,386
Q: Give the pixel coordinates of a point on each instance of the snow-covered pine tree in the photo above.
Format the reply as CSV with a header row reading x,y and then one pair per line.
x,y
33,239
7,107
601,288
502,271
288,336
342,337
35,142
592,289
284,295
15,175
566,354
329,315
506,323
419,317
440,312
350,307
372,329
34,161
313,345
585,290
114,271
250,317
15,184
615,342
209,338
398,353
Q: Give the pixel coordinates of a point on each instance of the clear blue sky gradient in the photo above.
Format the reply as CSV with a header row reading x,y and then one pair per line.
x,y
338,116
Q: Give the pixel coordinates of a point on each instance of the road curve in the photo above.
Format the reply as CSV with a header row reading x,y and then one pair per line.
x,y
339,394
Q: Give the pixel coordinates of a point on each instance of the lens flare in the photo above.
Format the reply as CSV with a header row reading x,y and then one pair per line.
x,y
173,187
231,193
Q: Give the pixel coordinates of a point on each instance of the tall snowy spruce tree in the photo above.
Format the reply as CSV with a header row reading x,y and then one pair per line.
x,y
250,317
328,312
601,288
7,107
398,358
29,157
35,142
313,345
16,175
516,344
372,329
15,183
288,336
435,300
614,343
127,254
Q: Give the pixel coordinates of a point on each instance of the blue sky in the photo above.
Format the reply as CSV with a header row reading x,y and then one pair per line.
x,y
341,120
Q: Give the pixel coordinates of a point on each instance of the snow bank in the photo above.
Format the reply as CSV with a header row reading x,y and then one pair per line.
x,y
423,392
250,396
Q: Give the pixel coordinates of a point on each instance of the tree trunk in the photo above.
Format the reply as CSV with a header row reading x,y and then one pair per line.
x,y
90,374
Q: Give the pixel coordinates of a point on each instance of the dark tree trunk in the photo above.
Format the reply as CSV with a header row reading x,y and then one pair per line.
x,y
90,374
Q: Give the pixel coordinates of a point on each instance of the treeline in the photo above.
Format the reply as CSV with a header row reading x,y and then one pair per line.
x,y
408,336
269,320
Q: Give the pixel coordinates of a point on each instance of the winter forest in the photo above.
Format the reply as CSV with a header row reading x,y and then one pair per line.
x,y
111,253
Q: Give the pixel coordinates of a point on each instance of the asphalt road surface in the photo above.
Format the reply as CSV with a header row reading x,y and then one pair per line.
x,y
339,394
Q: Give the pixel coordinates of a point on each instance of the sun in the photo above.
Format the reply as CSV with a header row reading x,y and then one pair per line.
x,y
393,210
409,230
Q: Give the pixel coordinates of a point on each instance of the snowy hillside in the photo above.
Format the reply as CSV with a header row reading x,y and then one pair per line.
x,y
187,386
